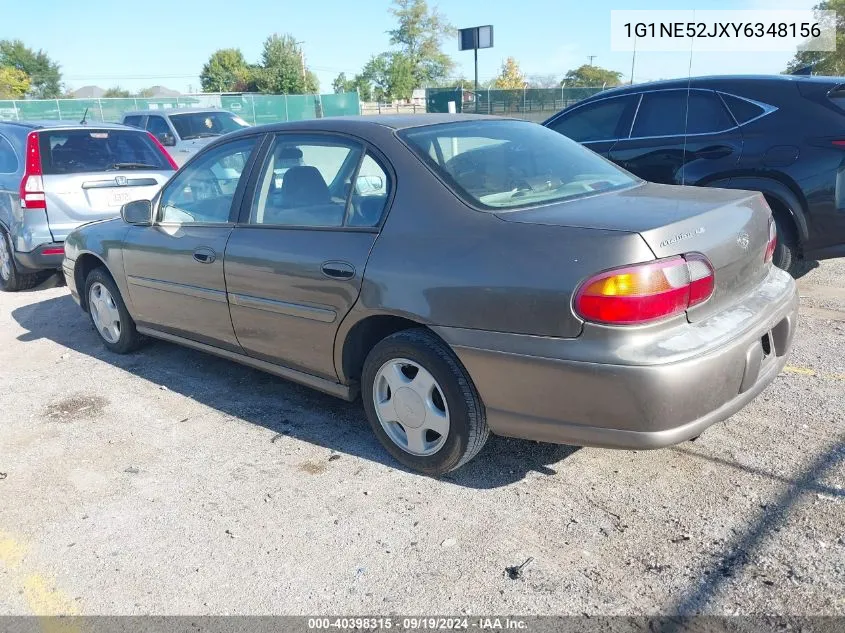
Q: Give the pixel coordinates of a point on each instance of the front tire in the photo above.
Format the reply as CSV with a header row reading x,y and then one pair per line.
x,y
11,279
108,313
422,404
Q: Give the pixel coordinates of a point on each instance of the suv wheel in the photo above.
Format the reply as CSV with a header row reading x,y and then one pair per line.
x,y
421,403
11,279
108,313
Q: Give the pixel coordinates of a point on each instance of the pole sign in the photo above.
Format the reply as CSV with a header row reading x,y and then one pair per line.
x,y
475,37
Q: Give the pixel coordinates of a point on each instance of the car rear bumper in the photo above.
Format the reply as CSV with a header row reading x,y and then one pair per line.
x,y
45,257
538,393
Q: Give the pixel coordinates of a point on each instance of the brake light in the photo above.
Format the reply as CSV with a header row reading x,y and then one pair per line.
x,y
54,251
32,184
163,151
773,241
646,292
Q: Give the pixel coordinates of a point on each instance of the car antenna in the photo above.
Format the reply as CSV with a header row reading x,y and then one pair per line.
x,y
84,116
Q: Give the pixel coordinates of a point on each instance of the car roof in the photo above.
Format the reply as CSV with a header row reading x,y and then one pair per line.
x,y
56,124
716,81
169,111
361,123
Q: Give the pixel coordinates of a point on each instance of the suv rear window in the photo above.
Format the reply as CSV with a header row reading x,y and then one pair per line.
x,y
92,150
498,165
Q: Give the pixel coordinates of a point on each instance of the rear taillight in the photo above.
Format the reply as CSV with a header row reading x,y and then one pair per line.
x,y
163,151
773,241
32,184
646,292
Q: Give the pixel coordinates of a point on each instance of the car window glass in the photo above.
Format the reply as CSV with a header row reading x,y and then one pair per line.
x,y
203,191
157,125
593,122
8,160
93,150
707,113
510,164
742,110
206,124
134,121
306,181
661,114
369,196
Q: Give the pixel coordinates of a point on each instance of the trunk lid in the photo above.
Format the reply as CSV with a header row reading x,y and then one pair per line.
x,y
730,227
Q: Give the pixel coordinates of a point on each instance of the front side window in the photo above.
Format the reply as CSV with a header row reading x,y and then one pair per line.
x,y
599,121
308,181
510,164
157,126
206,124
203,191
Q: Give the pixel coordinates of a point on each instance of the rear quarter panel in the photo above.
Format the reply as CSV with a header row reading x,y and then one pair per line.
x,y
440,262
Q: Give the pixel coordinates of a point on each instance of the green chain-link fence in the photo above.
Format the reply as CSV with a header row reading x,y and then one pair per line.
x,y
536,104
253,108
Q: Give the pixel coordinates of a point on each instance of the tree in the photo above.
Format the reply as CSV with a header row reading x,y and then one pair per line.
x,y
44,75
225,71
543,81
116,91
342,84
14,83
511,77
283,69
418,35
392,76
145,93
825,62
591,76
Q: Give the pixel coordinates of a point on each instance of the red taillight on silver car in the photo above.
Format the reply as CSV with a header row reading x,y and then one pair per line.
x,y
32,184
646,292
771,245
160,148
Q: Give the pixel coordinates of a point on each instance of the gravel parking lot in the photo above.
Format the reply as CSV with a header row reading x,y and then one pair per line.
x,y
171,482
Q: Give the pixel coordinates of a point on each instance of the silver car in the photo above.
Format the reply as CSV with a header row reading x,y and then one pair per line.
x,y
185,131
56,176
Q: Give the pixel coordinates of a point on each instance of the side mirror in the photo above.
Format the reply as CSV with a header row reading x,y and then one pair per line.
x,y
369,184
166,139
137,212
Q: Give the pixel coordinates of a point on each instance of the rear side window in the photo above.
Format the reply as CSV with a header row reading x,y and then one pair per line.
x,y
92,150
742,110
596,121
665,113
8,159
134,121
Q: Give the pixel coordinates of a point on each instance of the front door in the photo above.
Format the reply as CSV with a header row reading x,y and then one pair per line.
x,y
175,267
295,263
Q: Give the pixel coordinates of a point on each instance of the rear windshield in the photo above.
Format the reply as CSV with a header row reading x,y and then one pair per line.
x,y
202,124
498,165
92,150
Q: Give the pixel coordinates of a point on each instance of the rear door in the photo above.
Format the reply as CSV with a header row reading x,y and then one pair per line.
x,y
174,268
597,124
89,173
680,137
295,262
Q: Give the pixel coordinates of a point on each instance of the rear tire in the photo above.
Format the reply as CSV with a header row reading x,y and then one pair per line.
x,y
11,279
786,255
438,420
108,313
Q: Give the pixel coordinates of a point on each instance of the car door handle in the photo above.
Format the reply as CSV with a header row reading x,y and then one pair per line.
x,y
204,255
714,151
338,270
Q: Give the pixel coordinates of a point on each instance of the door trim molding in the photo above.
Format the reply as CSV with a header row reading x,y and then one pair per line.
x,y
345,392
182,289
299,310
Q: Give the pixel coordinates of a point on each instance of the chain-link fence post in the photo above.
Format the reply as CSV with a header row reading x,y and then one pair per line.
x,y
59,109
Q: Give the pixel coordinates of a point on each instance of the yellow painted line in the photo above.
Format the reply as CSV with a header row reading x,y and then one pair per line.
x,y
42,596
806,371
